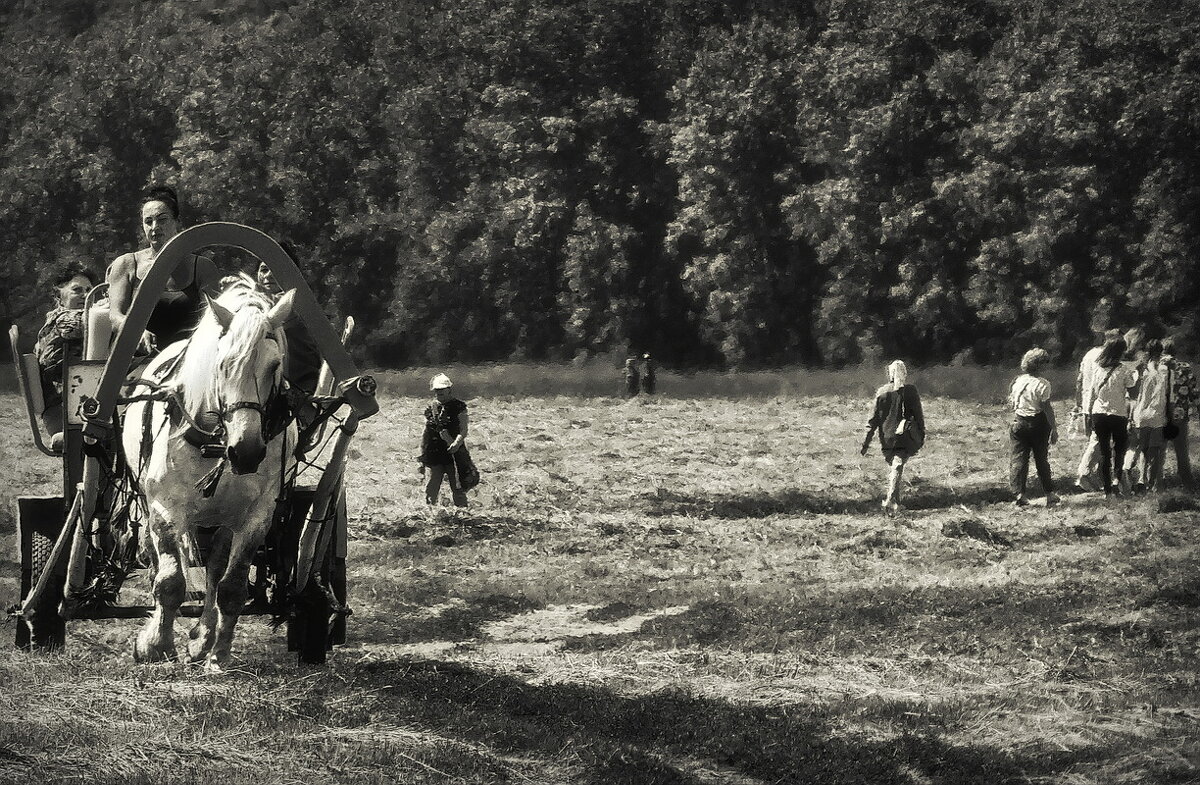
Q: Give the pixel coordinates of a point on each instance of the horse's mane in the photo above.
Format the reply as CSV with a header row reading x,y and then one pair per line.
x,y
212,356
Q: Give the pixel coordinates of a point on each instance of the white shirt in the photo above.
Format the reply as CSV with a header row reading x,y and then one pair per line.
x,y
1108,389
1029,394
1150,408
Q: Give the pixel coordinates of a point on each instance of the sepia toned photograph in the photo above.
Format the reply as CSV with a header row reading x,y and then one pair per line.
x,y
599,392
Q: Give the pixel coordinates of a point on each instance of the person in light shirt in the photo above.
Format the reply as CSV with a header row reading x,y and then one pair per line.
x,y
1109,408
1033,428
1089,461
1147,416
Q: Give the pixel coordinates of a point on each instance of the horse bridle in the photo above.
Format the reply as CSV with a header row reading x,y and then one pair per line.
x,y
227,410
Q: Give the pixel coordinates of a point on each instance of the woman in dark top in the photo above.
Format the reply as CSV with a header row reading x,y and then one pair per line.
x,y
901,425
444,435
181,304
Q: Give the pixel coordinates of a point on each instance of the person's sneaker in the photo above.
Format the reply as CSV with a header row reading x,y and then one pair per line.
x,y
56,442
1020,501
1052,499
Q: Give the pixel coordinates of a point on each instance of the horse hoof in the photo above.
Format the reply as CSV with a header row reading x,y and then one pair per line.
x,y
148,652
198,651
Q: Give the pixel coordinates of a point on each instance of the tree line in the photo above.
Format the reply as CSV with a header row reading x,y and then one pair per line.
x,y
731,184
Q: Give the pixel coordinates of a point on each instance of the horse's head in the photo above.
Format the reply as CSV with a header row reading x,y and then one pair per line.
x,y
249,374
234,368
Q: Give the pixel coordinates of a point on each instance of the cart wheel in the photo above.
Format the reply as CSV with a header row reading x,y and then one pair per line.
x,y
39,521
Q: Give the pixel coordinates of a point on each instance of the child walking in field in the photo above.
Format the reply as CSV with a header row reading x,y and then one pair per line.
x,y
1033,428
901,424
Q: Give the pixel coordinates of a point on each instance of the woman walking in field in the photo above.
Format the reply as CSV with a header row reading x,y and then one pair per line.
x,y
444,435
901,425
1033,429
1109,408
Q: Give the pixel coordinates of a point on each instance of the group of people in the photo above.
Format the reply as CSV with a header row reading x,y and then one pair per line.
x,y
1132,398
175,315
639,376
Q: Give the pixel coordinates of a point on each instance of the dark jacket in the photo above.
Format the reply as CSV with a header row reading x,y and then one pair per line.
x,y
440,417
891,406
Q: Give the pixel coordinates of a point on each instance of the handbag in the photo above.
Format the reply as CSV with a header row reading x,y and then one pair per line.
x,y
907,436
1171,429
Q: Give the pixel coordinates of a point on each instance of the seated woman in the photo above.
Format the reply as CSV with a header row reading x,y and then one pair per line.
x,y
180,305
61,340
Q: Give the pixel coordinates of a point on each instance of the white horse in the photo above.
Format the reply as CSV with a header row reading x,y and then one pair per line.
x,y
230,369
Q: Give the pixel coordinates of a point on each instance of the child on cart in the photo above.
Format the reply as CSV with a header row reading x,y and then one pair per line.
x,y
60,340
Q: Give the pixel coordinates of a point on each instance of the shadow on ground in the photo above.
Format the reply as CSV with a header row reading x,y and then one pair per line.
x,y
669,737
833,501
459,622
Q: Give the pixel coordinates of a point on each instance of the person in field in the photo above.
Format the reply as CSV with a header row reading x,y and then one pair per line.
x,y
901,424
181,304
1033,427
444,435
649,377
632,378
1185,394
1108,405
1147,416
1087,476
60,340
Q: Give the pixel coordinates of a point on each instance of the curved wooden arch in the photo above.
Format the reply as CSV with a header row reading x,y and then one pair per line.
x,y
287,274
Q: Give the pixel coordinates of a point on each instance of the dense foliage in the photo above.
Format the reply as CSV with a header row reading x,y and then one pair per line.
x,y
736,183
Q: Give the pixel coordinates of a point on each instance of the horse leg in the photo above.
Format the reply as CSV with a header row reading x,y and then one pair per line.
x,y
200,638
232,591
156,641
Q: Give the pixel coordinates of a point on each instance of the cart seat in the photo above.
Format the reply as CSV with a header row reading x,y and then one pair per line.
x,y
29,377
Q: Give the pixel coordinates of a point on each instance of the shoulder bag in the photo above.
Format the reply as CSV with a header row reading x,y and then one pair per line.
x,y
907,436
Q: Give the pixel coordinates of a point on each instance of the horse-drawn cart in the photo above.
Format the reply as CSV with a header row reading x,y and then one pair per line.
x,y
77,548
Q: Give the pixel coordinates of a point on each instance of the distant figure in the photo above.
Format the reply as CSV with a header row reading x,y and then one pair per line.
x,y
1109,409
444,435
1033,428
901,425
1185,394
1147,416
1087,476
60,340
632,378
648,379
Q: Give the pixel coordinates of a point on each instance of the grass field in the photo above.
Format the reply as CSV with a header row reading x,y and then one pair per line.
x,y
683,590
